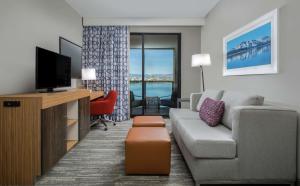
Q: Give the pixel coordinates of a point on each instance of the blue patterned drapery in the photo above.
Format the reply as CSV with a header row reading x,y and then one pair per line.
x,y
106,48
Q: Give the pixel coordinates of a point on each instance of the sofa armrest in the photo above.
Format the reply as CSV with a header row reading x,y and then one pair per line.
x,y
266,139
194,99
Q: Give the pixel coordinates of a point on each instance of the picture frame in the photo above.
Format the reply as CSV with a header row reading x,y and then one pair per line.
x,y
252,49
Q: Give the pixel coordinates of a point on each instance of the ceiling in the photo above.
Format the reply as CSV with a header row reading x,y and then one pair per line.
x,y
143,8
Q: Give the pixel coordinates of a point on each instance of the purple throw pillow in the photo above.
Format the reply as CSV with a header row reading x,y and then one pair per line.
x,y
211,111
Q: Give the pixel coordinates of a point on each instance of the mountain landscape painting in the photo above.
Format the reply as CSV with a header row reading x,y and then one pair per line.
x,y
250,49
253,48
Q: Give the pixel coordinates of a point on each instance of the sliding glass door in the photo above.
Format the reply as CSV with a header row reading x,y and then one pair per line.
x,y
154,73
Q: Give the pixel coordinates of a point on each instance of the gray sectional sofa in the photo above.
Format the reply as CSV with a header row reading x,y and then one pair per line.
x,y
255,143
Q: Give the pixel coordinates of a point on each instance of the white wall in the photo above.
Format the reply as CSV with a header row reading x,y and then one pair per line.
x,y
190,44
230,15
25,24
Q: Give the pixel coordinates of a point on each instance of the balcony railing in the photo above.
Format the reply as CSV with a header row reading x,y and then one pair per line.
x,y
161,94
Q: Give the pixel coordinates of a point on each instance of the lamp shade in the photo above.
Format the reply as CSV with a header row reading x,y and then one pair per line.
x,y
200,60
88,74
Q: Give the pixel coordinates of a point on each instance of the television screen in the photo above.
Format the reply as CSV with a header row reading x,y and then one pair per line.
x,y
52,70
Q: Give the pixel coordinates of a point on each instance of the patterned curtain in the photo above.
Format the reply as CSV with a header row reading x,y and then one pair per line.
x,y
106,48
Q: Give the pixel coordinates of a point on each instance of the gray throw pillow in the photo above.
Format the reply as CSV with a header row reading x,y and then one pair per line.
x,y
213,94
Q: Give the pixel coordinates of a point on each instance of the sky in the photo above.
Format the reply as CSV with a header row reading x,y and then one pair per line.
x,y
157,61
262,31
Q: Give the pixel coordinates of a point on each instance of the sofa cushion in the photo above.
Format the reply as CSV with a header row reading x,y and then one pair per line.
x,y
233,99
213,94
211,111
204,141
176,113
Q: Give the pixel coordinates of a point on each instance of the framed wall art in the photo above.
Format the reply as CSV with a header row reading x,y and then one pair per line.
x,y
253,48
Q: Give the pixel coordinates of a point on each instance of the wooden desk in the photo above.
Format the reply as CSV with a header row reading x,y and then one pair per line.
x,y
56,98
37,129
96,94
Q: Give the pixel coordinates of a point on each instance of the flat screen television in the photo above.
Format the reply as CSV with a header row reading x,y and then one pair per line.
x,y
53,70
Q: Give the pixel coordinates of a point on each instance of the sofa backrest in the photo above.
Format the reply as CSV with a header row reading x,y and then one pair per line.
x,y
233,99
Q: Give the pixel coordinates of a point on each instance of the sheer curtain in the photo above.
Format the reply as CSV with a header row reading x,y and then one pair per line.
x,y
106,48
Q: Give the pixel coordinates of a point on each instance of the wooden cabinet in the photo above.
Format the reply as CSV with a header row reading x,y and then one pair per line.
x,y
84,117
19,141
54,122
37,129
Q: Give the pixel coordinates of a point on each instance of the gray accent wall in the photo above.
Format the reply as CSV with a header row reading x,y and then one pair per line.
x,y
230,15
25,25
190,44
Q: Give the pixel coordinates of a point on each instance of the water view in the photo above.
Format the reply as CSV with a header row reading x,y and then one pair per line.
x,y
160,89
159,66
153,67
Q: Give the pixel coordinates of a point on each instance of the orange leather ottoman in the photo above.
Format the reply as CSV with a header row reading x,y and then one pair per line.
x,y
148,151
148,121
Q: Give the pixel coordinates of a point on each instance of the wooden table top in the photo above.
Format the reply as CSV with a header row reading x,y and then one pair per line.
x,y
57,98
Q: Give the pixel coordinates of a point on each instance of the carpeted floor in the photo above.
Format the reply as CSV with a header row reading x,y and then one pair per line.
x,y
99,160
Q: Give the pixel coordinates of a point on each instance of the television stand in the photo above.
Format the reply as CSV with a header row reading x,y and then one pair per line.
x,y
36,130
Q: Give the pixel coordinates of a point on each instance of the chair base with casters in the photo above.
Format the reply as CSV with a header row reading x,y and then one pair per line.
x,y
102,120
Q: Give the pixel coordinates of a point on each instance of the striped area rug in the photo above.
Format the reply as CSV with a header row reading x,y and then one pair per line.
x,y
99,160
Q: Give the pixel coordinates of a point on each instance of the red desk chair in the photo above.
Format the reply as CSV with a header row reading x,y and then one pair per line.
x,y
104,106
